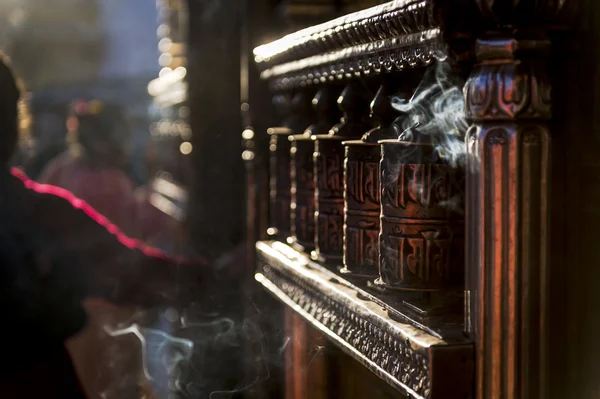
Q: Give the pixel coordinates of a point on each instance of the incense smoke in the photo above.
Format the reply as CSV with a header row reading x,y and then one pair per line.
x,y
180,353
163,356
437,109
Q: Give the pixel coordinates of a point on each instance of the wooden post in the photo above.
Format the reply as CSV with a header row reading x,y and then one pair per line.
x,y
508,99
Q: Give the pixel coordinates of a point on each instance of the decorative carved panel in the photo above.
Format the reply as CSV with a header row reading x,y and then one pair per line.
x,y
417,362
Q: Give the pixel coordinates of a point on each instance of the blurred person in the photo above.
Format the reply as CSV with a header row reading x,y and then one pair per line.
x,y
93,167
55,251
48,133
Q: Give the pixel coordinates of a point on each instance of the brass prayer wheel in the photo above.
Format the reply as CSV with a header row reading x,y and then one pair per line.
x,y
362,209
422,230
361,189
302,178
329,174
280,184
329,215
303,192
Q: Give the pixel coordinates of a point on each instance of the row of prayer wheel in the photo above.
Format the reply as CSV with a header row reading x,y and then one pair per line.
x,y
351,190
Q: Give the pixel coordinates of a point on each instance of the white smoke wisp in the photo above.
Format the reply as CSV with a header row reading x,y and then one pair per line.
x,y
437,109
171,350
179,363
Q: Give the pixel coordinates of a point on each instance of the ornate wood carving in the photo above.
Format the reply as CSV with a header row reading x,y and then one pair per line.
x,y
508,99
329,173
386,21
417,363
393,36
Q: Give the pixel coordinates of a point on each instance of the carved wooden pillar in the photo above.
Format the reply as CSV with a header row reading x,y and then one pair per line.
x,y
508,99
307,375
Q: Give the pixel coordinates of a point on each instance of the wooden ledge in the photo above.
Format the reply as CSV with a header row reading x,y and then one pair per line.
x,y
418,361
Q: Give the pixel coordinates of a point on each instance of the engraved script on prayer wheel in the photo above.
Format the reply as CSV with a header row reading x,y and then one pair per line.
x,y
361,191
329,173
422,237
303,186
361,199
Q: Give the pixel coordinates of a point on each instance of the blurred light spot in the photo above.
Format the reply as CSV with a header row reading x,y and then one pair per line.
x,y
184,112
95,107
154,88
72,124
164,13
172,315
165,59
186,133
164,71
186,148
248,134
247,155
271,231
163,31
245,107
154,129
181,72
165,45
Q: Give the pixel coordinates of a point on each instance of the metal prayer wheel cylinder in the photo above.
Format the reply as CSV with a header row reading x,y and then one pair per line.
x,y
361,208
302,191
329,197
362,205
329,173
302,170
280,182
422,233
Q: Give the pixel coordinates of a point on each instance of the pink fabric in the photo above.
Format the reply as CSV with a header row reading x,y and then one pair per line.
x,y
107,189
97,217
